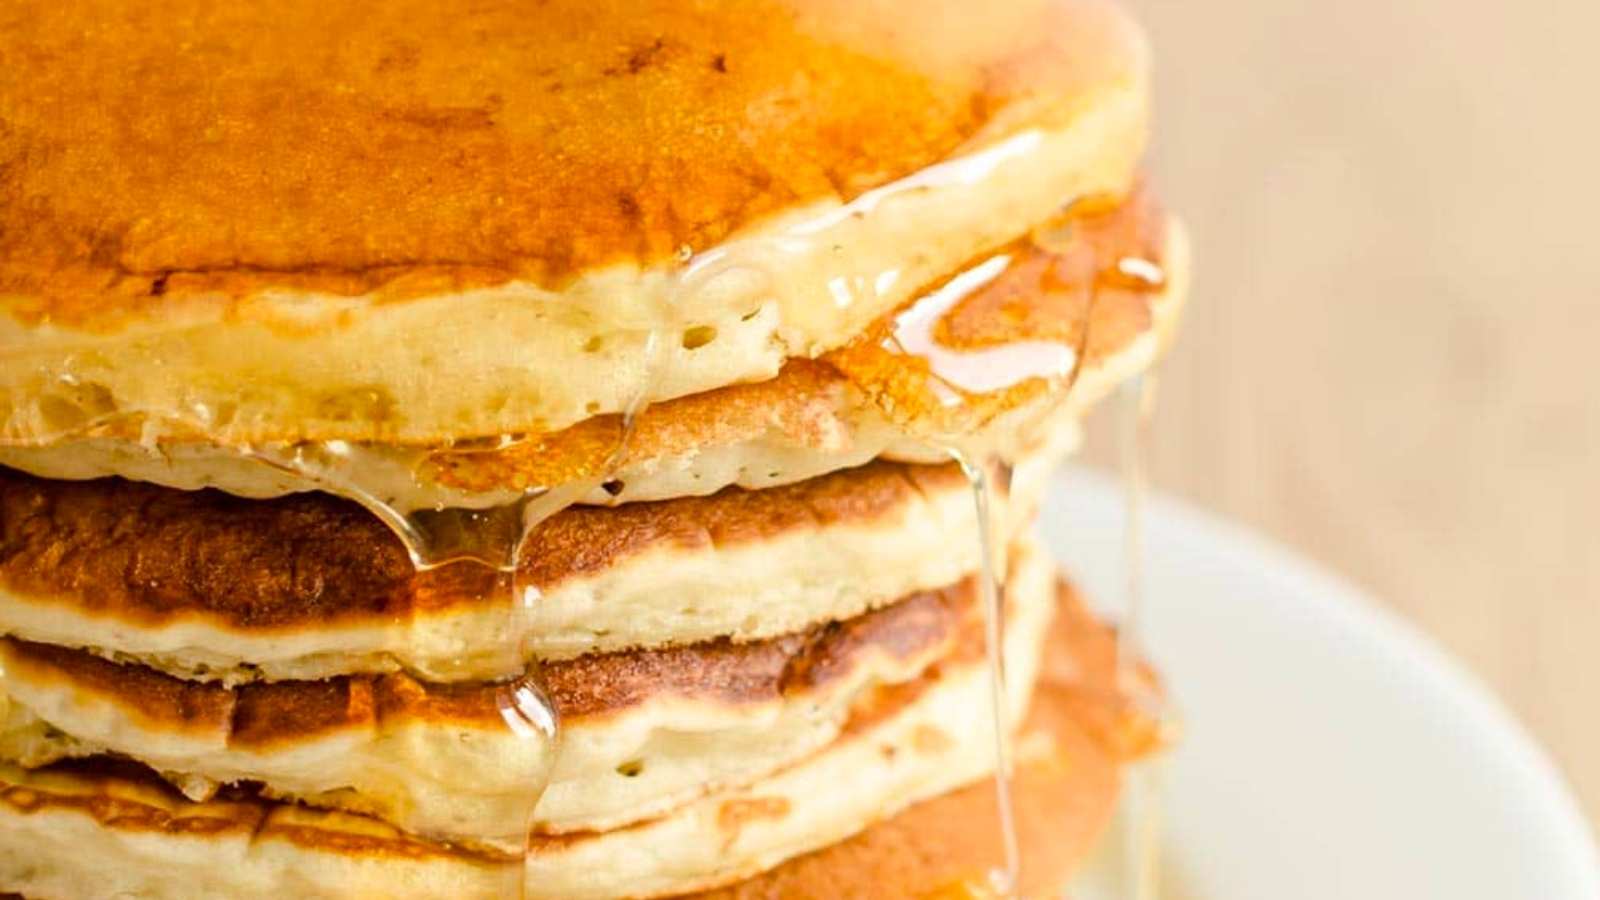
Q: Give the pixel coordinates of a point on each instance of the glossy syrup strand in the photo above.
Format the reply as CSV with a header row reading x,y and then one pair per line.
x,y
431,537
991,584
1137,402
528,597
1142,821
528,711
489,537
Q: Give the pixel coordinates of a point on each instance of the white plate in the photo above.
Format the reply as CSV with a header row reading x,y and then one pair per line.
x,y
1330,751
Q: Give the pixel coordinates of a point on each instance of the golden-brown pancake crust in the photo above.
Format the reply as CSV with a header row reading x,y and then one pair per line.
x,y
1066,783
347,147
135,800
152,555
267,713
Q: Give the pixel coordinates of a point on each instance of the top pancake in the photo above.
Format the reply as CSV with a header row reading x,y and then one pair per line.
x,y
320,220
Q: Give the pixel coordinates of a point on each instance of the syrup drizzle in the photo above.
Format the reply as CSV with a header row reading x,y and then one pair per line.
x,y
489,537
1138,403
492,537
956,378
1141,851
961,387
991,584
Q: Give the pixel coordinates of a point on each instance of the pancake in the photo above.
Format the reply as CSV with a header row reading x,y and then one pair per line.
x,y
319,221
99,831
207,586
1049,335
552,450
642,731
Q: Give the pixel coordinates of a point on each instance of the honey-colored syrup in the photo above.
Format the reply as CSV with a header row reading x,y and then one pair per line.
x,y
1011,329
1143,799
992,562
935,369
1016,323
492,537
476,537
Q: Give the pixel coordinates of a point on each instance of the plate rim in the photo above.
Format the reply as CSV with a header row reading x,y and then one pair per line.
x,y
1335,597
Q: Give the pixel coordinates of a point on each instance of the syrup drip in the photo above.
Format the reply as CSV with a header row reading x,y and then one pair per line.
x,y
957,379
490,537
1138,404
1142,816
937,387
991,584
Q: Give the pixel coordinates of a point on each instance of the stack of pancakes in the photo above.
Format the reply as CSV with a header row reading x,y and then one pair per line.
x,y
564,450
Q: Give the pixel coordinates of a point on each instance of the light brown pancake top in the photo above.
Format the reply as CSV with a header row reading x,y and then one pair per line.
x,y
260,715
808,402
153,555
153,151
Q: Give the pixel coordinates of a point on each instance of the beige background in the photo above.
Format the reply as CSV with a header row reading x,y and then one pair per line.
x,y
1392,356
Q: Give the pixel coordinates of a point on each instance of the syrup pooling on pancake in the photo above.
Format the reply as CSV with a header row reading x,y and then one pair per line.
x,y
555,169
1016,323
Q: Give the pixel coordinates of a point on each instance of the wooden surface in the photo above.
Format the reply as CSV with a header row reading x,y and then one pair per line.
x,y
1391,360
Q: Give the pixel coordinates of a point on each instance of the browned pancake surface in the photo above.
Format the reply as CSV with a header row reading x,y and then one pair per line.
x,y
262,714
1066,784
152,555
412,145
